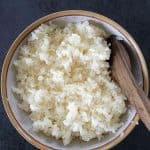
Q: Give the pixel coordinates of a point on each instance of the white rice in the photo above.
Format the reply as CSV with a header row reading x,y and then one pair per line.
x,y
64,84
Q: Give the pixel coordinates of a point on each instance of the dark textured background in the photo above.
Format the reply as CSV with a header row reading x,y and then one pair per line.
x,y
15,15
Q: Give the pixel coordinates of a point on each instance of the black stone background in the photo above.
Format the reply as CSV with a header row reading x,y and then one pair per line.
x,y
15,15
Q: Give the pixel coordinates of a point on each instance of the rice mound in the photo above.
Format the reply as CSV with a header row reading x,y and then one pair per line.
x,y
64,82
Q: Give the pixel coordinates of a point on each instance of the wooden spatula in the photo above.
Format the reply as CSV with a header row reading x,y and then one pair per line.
x,y
120,67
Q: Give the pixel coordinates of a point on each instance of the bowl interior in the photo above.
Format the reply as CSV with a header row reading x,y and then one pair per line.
x,y
23,118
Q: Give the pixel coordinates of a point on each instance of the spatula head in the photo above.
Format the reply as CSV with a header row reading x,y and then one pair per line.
x,y
130,56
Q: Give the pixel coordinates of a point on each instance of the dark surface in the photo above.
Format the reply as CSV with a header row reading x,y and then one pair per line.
x,y
15,15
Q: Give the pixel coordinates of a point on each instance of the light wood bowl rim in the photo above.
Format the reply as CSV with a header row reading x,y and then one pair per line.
x,y
34,25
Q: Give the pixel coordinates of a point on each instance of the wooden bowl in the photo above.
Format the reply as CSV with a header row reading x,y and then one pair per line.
x,y
20,119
